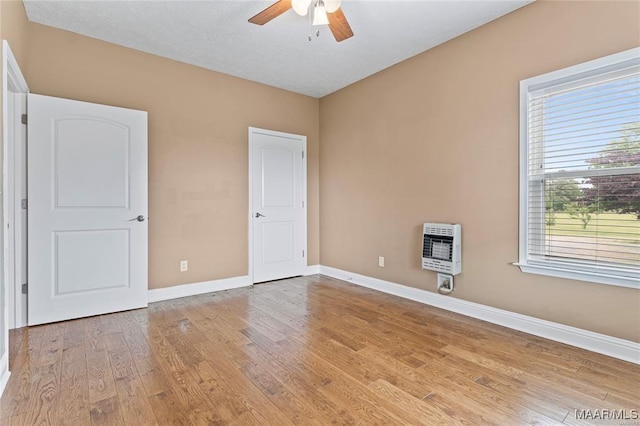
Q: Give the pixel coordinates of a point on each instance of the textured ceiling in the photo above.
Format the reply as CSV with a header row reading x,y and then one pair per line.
x,y
217,36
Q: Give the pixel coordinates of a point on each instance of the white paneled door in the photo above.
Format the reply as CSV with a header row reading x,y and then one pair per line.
x,y
278,213
87,212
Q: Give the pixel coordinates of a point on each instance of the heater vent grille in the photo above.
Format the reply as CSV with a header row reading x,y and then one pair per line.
x,y
441,248
439,230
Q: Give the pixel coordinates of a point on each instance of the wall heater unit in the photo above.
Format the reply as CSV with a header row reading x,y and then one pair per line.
x,y
441,248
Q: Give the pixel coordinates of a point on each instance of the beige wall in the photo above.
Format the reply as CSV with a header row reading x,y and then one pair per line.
x,y
435,138
14,29
198,125
383,140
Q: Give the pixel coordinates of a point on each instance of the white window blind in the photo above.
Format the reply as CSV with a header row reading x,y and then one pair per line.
x,y
580,172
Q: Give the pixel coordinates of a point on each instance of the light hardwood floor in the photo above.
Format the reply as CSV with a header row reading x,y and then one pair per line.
x,y
303,351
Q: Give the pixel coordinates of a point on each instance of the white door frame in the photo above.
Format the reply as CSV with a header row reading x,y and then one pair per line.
x,y
12,80
303,140
14,177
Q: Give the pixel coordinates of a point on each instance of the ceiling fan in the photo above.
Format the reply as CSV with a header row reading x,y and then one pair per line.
x,y
325,12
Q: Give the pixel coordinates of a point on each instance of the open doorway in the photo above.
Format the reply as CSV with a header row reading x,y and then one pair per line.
x,y
14,226
15,190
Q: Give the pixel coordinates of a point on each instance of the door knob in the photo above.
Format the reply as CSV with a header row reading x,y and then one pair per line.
x,y
260,215
139,218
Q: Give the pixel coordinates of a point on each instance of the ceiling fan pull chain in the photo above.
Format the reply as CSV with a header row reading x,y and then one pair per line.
x,y
313,8
309,13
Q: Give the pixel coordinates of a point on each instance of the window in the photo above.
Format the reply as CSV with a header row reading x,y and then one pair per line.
x,y
580,172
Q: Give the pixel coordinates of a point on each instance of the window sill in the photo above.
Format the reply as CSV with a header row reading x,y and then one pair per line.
x,y
595,277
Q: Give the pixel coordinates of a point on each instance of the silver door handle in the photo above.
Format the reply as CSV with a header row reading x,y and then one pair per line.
x,y
139,218
260,215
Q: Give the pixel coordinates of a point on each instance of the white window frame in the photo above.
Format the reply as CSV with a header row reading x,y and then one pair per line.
x,y
584,270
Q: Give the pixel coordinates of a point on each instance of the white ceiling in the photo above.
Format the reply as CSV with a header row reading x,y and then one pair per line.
x,y
217,36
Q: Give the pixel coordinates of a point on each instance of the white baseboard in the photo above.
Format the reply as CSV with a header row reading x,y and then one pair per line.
x,y
312,270
4,372
595,342
184,290
159,294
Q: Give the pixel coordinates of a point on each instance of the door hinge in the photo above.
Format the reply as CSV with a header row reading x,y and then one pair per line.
x,y
303,204
23,203
302,253
25,288
302,154
23,119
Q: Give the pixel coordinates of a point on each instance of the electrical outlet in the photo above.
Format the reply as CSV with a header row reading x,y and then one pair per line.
x,y
184,265
381,261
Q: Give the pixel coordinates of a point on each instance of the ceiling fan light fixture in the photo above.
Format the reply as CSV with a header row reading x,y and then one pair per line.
x,y
318,11
320,15
301,7
332,5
